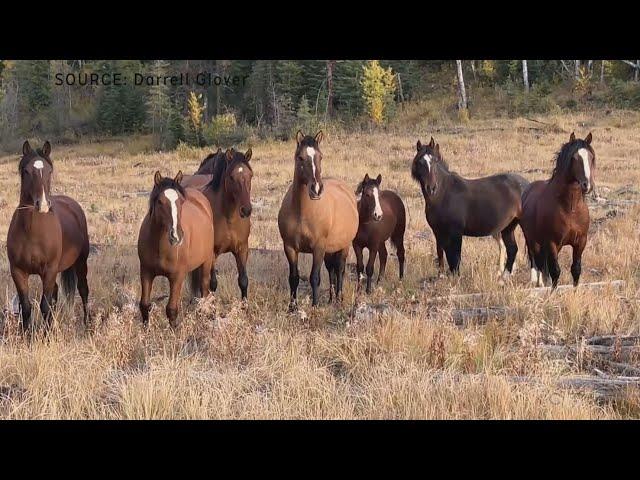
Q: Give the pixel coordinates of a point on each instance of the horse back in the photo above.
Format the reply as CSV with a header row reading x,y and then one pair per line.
x,y
196,181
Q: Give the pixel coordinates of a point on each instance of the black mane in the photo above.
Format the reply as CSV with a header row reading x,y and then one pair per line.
x,y
201,170
221,165
165,183
27,158
563,157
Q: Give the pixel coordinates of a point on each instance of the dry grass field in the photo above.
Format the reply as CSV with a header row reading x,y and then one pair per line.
x,y
398,353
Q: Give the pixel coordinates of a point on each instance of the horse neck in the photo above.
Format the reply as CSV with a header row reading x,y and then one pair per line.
x,y
569,194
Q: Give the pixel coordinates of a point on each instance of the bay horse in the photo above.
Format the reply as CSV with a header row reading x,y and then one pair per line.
x,y
317,216
555,213
456,206
228,189
47,235
176,238
382,216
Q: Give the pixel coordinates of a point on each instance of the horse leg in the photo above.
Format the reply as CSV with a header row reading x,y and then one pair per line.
x,y
440,251
213,283
398,242
373,251
294,276
511,248
146,280
576,265
175,290
552,264
48,287
330,264
359,264
83,287
502,254
383,261
205,277
241,264
314,278
21,280
341,263
453,250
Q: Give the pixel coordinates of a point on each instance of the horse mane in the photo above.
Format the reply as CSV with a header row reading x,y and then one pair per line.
x,y
165,183
563,157
206,160
34,153
221,166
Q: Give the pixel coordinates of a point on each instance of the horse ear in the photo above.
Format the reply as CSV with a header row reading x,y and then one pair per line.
x,y
432,143
26,148
178,178
229,154
299,136
588,139
366,178
436,149
379,179
219,150
157,178
319,137
247,156
46,149
572,137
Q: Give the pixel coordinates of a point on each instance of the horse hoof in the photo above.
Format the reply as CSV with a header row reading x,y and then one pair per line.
x,y
293,307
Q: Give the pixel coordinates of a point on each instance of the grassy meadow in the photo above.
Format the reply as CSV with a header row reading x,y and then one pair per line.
x,y
394,354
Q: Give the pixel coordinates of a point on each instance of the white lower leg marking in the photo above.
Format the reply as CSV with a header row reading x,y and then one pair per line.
x,y
377,211
584,154
534,275
502,261
172,196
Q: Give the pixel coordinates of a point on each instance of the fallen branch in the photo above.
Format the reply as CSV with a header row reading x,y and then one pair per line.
x,y
539,290
479,315
605,388
615,352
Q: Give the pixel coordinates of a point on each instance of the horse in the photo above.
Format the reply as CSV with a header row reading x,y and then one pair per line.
x,y
555,213
317,216
228,189
382,216
47,235
456,206
176,238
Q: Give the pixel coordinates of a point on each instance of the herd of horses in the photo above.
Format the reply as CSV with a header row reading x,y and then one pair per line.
x,y
193,219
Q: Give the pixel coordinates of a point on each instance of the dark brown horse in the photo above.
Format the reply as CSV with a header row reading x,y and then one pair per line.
x,y
555,213
176,238
456,206
382,216
317,216
47,235
228,189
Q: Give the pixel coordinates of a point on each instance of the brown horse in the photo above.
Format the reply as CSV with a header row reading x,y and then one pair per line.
x,y
176,237
382,216
47,235
457,206
228,189
317,216
555,213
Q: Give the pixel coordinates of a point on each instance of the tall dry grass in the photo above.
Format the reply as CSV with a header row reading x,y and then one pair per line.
x,y
404,358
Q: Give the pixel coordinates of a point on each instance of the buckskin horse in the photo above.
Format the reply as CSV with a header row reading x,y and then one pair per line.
x,y
47,235
456,206
176,238
228,189
317,216
555,213
382,216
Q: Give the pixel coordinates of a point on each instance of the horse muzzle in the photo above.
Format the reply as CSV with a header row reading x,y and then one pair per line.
x,y
245,211
315,190
174,238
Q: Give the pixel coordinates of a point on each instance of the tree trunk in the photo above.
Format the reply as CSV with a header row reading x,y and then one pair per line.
x,y
330,65
525,76
577,69
602,72
473,69
635,74
462,93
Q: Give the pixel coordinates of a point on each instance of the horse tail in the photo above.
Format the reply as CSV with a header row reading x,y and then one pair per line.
x,y
69,282
194,281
